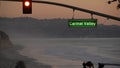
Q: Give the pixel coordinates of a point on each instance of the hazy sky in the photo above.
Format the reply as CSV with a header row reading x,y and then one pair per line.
x,y
42,11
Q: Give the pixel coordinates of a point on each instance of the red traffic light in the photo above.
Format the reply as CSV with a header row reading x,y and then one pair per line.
x,y
27,3
27,6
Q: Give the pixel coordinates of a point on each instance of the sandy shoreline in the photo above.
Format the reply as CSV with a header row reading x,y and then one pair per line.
x,y
56,62
10,56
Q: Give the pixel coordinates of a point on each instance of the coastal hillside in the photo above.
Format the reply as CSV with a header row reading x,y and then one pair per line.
x,y
9,55
5,41
27,26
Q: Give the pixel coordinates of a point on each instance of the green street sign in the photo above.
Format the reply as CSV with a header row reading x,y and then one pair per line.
x,y
82,23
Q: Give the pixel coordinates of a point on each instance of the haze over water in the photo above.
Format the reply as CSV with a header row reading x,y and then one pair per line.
x,y
71,52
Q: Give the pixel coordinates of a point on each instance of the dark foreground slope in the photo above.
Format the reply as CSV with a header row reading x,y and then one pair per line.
x,y
4,41
9,55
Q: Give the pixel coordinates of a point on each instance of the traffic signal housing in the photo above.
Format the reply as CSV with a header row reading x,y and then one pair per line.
x,y
27,6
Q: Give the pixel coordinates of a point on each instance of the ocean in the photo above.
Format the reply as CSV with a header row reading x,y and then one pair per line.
x,y
71,52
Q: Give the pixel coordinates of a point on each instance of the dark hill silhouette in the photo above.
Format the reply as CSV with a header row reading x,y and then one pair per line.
x,y
4,41
9,55
54,28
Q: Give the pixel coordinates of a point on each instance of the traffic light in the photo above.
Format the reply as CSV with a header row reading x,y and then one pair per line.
x,y
27,6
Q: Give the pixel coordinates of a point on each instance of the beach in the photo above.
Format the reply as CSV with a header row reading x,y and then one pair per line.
x,y
10,56
71,52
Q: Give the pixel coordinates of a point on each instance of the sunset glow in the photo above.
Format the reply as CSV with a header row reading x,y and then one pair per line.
x,y
40,11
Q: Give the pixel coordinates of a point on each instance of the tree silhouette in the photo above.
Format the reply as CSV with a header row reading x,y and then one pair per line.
x,y
118,6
